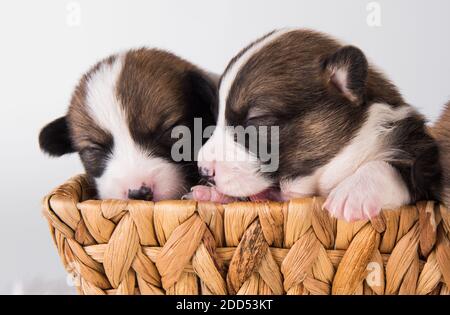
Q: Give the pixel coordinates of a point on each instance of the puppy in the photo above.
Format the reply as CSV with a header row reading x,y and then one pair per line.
x,y
441,132
344,130
120,120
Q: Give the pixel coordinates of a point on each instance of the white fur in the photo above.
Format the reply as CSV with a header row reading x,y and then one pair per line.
x,y
374,186
236,169
368,145
129,166
243,179
230,75
299,187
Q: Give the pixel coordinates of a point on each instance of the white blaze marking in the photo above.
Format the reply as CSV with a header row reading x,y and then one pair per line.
x,y
129,166
230,76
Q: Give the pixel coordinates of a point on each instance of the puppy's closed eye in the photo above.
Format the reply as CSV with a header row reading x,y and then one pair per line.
x,y
94,158
260,117
165,132
261,120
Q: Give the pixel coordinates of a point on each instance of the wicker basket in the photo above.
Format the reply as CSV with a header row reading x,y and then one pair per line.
x,y
184,247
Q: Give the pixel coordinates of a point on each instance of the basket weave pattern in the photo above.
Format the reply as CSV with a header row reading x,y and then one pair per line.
x,y
185,247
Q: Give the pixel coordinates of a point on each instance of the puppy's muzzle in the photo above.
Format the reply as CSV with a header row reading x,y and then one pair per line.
x,y
143,193
207,174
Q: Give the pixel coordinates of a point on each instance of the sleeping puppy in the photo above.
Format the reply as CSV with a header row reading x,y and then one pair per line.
x,y
441,132
344,131
120,121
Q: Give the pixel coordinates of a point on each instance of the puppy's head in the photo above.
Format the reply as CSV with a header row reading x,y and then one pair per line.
x,y
300,96
120,121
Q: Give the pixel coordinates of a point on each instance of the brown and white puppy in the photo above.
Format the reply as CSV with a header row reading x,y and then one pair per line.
x,y
120,121
441,131
345,131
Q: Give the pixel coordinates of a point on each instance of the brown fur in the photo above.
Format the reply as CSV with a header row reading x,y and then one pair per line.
x,y
161,100
289,83
149,89
441,131
286,80
157,91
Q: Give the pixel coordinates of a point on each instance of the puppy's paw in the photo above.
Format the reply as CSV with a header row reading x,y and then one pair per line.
x,y
208,193
373,186
349,203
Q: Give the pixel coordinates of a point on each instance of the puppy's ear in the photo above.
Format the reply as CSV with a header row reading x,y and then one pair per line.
x,y
201,91
346,71
54,138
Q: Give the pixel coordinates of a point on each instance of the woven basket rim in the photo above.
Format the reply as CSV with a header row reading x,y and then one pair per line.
x,y
293,247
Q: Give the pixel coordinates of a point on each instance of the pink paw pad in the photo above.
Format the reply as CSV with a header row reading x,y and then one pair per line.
x,y
208,193
350,204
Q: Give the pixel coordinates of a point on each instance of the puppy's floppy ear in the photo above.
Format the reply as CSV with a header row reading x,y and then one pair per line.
x,y
201,91
54,138
346,70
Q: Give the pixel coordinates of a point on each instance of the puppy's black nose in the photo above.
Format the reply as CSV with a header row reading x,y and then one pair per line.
x,y
143,193
205,172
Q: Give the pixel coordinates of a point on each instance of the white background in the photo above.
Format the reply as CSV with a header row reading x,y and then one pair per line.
x,y
43,55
